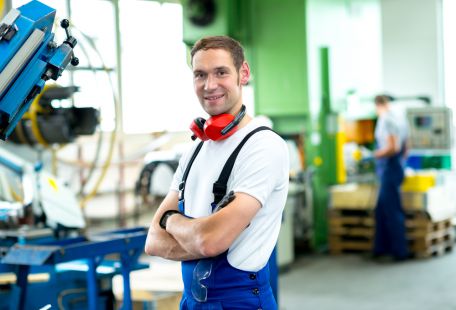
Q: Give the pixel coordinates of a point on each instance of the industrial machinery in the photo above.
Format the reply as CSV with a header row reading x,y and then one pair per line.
x,y
47,124
32,196
430,128
35,207
431,137
29,58
153,182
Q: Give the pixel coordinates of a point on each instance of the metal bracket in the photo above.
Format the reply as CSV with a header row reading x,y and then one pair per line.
x,y
29,254
7,27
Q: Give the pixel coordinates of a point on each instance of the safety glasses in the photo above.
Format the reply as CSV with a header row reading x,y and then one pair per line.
x,y
203,268
202,271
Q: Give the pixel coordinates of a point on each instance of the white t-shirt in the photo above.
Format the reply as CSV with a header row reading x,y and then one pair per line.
x,y
261,170
388,124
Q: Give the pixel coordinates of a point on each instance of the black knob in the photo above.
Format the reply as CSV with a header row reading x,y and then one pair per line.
x,y
65,23
75,61
71,41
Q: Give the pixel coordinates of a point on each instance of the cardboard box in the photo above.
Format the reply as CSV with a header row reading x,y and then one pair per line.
x,y
414,200
353,196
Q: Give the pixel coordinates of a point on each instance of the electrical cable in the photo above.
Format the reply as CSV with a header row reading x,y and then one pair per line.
x,y
144,183
68,292
15,195
108,160
32,114
93,163
113,136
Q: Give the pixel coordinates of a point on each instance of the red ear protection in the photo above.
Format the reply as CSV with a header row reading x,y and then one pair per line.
x,y
217,127
197,127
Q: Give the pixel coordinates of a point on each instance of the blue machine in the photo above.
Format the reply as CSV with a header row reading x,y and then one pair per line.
x,y
28,58
88,253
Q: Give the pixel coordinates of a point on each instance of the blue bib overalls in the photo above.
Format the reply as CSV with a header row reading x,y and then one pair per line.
x,y
229,288
218,285
390,233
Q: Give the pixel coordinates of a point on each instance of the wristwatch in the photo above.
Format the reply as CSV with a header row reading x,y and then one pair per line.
x,y
165,217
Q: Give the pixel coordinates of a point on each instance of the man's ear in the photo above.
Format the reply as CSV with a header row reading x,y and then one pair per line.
x,y
244,73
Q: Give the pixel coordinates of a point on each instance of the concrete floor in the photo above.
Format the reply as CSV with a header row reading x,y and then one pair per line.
x,y
354,282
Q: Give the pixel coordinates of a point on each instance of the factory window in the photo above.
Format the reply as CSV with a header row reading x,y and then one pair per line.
x,y
449,48
156,80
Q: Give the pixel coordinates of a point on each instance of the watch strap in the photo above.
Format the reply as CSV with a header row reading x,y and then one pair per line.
x,y
165,216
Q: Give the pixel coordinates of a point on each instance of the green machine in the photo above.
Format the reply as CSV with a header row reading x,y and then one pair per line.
x,y
279,60
213,17
274,35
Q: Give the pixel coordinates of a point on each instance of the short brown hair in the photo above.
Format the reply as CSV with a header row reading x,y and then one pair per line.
x,y
221,42
382,99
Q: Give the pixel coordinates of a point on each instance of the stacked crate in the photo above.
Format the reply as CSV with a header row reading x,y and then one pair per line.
x,y
350,230
426,237
351,219
352,224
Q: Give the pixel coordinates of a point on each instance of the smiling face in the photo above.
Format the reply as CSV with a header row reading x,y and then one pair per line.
x,y
217,83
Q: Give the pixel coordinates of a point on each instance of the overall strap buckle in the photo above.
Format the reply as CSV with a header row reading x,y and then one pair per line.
x,y
181,190
219,191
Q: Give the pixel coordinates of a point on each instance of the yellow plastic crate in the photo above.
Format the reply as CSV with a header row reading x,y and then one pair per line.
x,y
418,182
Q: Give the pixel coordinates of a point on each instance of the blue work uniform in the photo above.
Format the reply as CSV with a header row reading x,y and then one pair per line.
x,y
217,284
228,287
390,233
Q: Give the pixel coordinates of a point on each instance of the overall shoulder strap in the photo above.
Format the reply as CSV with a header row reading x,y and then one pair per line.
x,y
220,186
187,170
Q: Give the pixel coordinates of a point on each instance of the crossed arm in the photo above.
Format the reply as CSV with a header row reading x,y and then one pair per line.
x,y
186,239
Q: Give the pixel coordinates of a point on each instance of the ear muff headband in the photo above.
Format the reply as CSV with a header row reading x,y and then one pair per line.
x,y
217,127
235,122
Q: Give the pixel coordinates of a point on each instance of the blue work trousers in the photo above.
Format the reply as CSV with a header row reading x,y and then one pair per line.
x,y
390,232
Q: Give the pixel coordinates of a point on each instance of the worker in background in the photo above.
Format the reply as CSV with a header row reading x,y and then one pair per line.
x,y
390,135
224,246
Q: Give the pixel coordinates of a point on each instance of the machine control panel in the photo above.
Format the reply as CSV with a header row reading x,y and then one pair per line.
x,y
430,128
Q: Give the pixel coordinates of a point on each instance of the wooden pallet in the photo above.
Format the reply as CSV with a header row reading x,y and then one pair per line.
x,y
339,246
434,243
350,230
353,231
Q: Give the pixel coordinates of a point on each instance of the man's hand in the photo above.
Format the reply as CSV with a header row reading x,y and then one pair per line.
x,y
159,242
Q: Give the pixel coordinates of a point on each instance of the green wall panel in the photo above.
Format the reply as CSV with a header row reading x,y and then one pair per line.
x,y
279,57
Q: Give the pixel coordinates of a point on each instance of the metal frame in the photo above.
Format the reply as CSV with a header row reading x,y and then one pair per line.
x,y
128,243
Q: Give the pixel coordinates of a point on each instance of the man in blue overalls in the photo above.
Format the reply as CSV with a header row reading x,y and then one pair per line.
x,y
390,135
222,215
